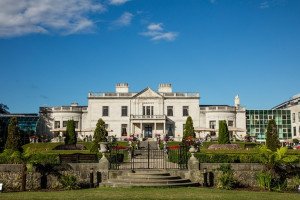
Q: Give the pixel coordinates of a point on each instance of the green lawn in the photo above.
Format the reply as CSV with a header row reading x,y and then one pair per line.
x,y
150,193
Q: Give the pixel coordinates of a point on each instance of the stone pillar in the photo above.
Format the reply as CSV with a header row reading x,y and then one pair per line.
x,y
103,164
193,163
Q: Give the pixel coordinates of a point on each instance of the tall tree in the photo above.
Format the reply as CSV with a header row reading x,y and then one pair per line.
x,y
272,141
71,137
100,135
188,129
3,108
223,133
13,141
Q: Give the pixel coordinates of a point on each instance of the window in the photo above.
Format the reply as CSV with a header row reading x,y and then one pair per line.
x,y
293,117
147,110
105,111
57,124
65,123
169,110
170,130
212,124
124,111
124,129
294,131
106,126
298,116
270,117
230,123
76,124
185,111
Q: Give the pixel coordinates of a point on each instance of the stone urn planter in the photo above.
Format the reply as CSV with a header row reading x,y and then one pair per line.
x,y
103,147
192,150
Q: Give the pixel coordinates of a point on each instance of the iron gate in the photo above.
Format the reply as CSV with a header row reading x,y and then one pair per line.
x,y
147,158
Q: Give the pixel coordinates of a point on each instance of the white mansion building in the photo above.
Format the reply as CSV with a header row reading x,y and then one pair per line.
x,y
144,114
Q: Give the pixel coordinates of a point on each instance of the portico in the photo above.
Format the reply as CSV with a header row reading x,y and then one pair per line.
x,y
148,126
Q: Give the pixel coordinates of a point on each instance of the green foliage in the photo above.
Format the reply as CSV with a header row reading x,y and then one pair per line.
x,y
188,129
71,136
3,108
100,135
69,182
223,133
274,162
11,157
43,159
227,157
294,183
13,141
296,141
226,179
272,140
264,179
272,159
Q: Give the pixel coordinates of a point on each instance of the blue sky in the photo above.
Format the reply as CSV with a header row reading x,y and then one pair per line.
x,y
54,53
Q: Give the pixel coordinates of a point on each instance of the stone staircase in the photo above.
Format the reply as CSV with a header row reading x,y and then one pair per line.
x,y
149,179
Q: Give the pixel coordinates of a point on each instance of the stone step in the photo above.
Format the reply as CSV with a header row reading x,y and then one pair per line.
x,y
149,173
189,184
149,177
146,181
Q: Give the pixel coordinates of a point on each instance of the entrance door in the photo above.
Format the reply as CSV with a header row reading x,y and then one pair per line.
x,y
148,131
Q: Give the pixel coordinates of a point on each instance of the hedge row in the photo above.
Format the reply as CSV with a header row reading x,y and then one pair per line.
x,y
230,158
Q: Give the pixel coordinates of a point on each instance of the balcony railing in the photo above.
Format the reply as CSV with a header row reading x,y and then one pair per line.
x,y
110,94
181,94
64,108
148,116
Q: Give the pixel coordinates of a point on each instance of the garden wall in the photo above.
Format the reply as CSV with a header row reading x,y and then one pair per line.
x,y
15,178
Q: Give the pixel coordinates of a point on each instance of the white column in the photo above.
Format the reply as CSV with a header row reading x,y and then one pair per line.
x,y
141,128
154,129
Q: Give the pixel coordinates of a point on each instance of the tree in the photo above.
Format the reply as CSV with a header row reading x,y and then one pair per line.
x,y
13,141
223,133
272,140
3,108
188,129
71,137
100,135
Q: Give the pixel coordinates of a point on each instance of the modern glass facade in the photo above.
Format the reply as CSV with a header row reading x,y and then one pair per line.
x,y
257,123
27,124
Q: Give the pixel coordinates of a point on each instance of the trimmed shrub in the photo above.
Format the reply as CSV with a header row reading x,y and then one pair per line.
x,y
272,141
223,133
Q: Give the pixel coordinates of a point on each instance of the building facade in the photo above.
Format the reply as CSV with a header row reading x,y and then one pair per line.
x,y
292,105
144,114
257,123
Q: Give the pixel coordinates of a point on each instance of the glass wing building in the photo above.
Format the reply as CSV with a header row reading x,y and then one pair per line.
x,y
27,124
257,123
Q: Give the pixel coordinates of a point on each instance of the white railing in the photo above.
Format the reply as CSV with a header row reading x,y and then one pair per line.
x,y
110,94
65,108
148,116
218,108
181,94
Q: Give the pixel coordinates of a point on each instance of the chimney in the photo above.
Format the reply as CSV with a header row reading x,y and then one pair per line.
x,y
165,88
122,88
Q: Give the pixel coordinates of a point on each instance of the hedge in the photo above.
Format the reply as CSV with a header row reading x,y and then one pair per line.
x,y
230,157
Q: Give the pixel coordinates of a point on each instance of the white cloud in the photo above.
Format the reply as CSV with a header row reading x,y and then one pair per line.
x,y
48,16
264,5
117,2
156,32
124,20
